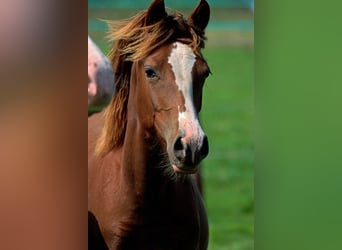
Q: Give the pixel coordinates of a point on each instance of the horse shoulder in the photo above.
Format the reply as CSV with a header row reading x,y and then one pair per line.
x,y
103,172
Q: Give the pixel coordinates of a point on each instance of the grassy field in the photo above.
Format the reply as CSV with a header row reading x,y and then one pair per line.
x,y
227,118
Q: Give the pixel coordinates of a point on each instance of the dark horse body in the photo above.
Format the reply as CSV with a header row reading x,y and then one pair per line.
x,y
149,140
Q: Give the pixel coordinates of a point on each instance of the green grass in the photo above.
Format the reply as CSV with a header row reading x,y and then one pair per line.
x,y
227,118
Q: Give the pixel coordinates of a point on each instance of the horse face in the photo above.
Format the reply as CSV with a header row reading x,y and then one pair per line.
x,y
175,77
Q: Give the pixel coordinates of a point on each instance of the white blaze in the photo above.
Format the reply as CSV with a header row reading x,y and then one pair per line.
x,y
182,60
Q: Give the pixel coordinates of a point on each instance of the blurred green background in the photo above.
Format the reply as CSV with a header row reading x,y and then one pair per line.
x,y
227,115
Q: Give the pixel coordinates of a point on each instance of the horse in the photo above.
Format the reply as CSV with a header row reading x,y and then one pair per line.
x,y
145,146
100,78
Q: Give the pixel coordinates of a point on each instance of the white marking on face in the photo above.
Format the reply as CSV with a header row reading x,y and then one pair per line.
x,y
182,60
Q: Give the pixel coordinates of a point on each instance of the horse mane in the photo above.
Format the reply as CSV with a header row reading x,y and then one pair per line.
x,y
132,40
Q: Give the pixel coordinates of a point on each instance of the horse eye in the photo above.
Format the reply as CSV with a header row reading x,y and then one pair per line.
x,y
150,73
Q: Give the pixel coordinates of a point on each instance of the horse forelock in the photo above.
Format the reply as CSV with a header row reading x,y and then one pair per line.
x,y
133,40
136,40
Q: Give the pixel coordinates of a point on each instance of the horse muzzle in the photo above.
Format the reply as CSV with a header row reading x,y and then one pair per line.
x,y
189,152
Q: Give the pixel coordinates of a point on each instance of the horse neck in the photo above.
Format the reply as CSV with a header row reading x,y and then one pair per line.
x,y
135,158
141,171
136,151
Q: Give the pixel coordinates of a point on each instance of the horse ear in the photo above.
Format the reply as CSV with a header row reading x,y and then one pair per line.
x,y
200,16
155,12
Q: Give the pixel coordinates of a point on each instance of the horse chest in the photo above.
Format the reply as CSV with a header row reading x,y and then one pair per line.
x,y
165,220
164,230
168,223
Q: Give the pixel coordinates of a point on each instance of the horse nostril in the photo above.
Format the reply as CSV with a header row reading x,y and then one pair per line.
x,y
192,153
178,148
205,148
178,144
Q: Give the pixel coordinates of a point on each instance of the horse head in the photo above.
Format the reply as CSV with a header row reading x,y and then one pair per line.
x,y
158,61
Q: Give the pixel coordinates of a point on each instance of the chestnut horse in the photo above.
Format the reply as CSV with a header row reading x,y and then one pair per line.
x,y
145,146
